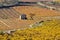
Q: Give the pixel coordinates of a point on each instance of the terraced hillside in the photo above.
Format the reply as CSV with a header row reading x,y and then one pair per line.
x,y
9,24
8,13
38,11
9,17
47,30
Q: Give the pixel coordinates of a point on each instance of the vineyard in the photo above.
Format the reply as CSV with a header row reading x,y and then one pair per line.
x,y
9,17
36,10
41,23
47,30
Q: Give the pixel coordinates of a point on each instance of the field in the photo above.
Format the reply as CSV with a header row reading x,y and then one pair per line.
x,y
37,11
45,30
9,17
41,23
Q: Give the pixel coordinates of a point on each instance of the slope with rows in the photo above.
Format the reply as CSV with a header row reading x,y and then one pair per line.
x,y
8,13
49,30
10,16
36,10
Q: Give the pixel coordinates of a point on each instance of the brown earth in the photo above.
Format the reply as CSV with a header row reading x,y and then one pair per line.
x,y
16,23
38,11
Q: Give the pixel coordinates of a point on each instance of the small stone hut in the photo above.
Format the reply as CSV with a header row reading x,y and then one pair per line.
x,y
23,16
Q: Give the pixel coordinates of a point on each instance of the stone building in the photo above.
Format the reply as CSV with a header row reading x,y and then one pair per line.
x,y
23,17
